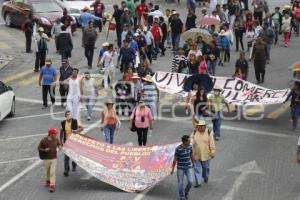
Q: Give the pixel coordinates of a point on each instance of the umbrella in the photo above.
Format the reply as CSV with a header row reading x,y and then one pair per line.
x,y
203,80
209,21
296,67
195,32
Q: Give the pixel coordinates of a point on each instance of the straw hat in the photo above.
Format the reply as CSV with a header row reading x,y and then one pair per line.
x,y
105,44
109,101
41,29
135,76
148,78
86,8
48,62
201,123
218,88
286,7
142,103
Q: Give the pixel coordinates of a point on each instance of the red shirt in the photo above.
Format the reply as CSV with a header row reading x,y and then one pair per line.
x,y
203,67
140,9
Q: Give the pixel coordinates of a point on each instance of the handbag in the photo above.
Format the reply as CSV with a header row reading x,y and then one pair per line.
x,y
133,127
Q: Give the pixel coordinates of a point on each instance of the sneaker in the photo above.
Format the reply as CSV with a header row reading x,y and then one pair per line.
x,y
88,118
217,138
66,174
44,107
197,186
186,196
51,188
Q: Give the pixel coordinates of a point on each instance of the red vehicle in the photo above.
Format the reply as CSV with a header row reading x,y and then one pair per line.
x,y
45,12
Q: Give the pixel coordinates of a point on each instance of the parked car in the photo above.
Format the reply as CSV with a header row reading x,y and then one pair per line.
x,y
45,12
75,7
7,101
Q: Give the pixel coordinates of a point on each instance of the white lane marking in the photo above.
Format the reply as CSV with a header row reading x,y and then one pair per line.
x,y
27,100
33,116
142,195
22,137
30,167
20,175
19,160
245,130
245,170
257,132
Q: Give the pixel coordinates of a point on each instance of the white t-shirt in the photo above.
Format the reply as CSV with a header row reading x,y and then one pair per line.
x,y
74,87
149,37
89,87
108,59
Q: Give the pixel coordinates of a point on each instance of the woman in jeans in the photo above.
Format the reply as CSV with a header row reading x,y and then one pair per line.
x,y
109,122
143,121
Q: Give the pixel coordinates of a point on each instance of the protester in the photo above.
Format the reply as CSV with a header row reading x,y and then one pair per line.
x,y
202,66
243,65
117,16
99,10
28,30
69,126
213,54
67,21
150,94
137,86
277,19
177,59
184,159
86,17
55,31
190,20
47,80
101,52
143,120
65,72
127,56
259,56
204,150
123,92
176,30
109,63
149,42
109,122
223,44
268,36
192,64
157,37
239,30
294,95
286,28
41,47
89,89
90,36
64,43
216,102
48,151
200,105
74,94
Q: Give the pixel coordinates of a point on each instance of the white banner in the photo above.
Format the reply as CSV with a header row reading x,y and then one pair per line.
x,y
235,91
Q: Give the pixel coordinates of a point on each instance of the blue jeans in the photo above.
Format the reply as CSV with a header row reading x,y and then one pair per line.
x,y
217,124
109,131
153,108
175,41
297,24
180,177
295,112
212,67
201,171
89,105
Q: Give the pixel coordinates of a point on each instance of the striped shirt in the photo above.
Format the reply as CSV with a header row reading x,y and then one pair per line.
x,y
149,92
183,157
176,60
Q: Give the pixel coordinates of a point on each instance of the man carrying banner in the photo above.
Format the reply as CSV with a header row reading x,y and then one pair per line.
x,y
215,103
68,127
184,159
48,152
203,151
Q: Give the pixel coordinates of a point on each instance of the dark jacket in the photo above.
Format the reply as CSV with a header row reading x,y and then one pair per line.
x,y
74,127
64,42
243,65
260,52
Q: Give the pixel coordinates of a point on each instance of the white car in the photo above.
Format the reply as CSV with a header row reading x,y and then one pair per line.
x,y
75,7
7,101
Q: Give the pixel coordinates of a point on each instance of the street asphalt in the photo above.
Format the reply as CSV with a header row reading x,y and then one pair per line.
x,y
256,159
